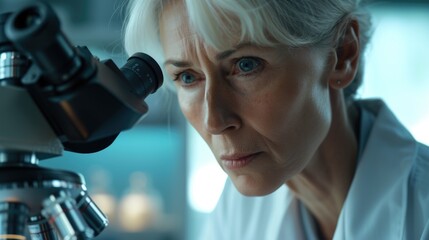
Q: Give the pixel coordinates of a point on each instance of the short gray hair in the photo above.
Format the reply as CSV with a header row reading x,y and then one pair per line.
x,y
263,22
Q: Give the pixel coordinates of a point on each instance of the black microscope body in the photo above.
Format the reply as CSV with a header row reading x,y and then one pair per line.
x,y
55,97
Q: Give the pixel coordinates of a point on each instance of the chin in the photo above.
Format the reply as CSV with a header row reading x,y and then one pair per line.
x,y
253,188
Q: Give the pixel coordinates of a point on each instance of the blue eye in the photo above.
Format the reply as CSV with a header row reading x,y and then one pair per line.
x,y
187,78
247,65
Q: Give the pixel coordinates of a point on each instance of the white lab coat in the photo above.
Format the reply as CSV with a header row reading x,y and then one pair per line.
x,y
388,198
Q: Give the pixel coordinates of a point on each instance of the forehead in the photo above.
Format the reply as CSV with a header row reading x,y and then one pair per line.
x,y
180,41
178,37
174,26
174,20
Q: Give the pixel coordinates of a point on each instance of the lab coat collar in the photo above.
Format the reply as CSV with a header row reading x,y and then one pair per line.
x,y
377,196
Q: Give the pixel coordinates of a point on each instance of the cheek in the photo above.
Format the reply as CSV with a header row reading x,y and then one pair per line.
x,y
310,120
190,105
186,105
315,117
293,122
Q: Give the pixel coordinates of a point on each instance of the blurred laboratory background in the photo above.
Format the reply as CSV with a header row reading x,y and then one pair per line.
x,y
158,181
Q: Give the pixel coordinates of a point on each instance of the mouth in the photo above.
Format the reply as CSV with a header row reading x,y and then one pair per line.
x,y
237,161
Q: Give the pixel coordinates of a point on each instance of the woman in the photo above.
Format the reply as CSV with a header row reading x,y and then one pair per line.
x,y
269,85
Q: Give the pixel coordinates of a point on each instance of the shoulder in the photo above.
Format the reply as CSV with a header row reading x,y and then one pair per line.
x,y
391,178
418,180
419,176
416,209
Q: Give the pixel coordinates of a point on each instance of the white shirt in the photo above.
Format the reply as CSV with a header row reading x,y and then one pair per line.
x,y
388,198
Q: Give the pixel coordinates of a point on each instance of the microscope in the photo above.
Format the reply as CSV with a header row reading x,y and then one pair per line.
x,y
55,97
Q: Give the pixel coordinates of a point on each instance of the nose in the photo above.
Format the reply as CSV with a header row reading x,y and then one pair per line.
x,y
220,108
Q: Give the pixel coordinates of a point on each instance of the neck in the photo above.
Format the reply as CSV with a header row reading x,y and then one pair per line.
x,y
323,185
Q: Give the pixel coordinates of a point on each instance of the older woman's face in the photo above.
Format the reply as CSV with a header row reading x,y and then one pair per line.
x,y
263,111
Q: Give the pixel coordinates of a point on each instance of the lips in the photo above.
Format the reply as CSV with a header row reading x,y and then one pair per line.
x,y
237,161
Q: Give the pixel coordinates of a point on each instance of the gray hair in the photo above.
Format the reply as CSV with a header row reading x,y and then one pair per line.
x,y
294,23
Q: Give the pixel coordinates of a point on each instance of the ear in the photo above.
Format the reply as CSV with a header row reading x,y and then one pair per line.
x,y
347,54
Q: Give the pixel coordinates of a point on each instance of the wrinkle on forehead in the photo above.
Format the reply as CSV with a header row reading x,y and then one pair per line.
x,y
174,21
175,26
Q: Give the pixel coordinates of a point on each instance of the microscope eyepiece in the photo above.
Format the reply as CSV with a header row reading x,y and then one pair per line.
x,y
13,64
143,74
30,18
35,31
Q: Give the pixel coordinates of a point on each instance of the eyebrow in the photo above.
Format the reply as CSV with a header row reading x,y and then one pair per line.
x,y
219,57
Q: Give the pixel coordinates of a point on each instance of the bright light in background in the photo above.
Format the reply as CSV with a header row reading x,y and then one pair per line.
x,y
205,177
206,185
397,66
